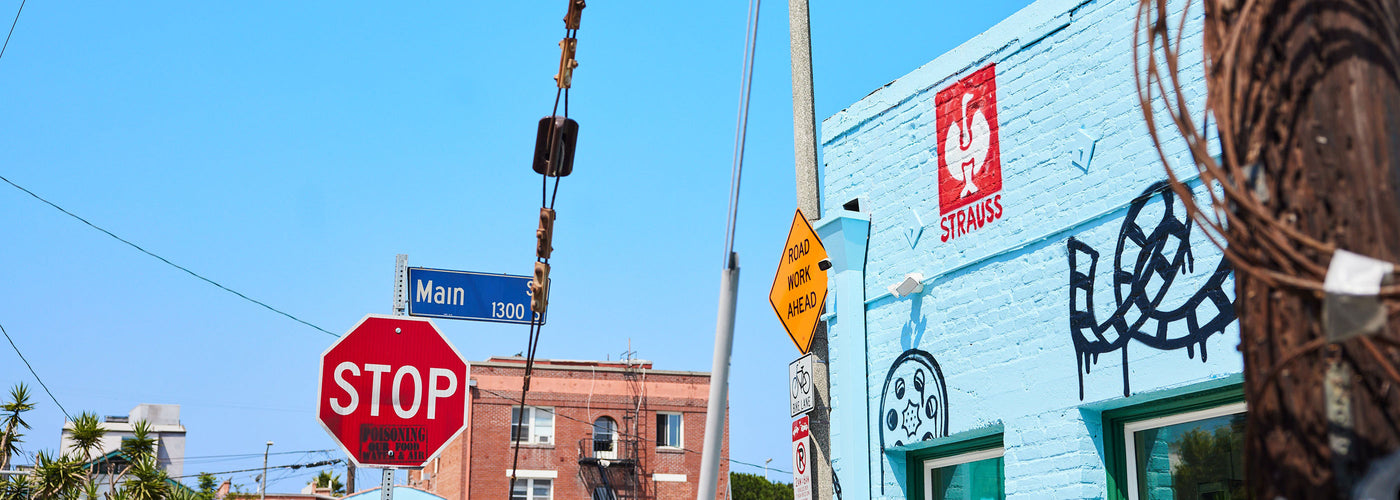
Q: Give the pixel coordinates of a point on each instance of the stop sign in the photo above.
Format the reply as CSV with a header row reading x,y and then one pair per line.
x,y
393,391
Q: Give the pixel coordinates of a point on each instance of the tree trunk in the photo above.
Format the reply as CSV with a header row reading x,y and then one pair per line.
x,y
1317,107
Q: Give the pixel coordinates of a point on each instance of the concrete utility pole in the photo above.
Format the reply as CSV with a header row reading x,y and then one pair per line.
x,y
804,135
1316,106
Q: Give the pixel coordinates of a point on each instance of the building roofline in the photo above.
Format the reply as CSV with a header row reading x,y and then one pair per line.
x,y
575,365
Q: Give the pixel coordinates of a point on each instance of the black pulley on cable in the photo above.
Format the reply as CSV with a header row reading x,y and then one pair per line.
x,y
563,138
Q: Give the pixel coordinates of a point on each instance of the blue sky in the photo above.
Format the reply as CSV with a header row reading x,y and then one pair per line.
x,y
289,150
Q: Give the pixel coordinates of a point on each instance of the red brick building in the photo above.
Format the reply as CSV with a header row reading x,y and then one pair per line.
x,y
591,430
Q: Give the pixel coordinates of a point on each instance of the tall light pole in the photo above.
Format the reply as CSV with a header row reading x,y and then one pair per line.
x,y
718,405
765,469
262,490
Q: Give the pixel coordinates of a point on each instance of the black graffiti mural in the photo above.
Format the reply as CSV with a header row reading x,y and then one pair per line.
x,y
1151,254
914,406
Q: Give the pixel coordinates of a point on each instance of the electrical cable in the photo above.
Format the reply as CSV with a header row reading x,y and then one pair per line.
x,y
12,28
619,432
322,463
36,374
533,340
219,458
167,261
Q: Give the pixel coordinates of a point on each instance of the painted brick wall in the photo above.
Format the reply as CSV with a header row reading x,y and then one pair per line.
x,y
995,310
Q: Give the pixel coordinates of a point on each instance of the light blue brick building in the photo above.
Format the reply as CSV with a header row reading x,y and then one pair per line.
x,y
1074,336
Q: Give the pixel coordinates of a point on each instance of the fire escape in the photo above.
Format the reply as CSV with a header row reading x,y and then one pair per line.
x,y
611,464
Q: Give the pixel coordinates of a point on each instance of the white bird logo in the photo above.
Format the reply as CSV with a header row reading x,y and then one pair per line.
x,y
966,146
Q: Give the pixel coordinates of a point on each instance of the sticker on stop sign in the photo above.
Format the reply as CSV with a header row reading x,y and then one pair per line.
x,y
393,391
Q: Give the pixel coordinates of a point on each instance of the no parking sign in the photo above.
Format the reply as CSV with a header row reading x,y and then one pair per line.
x,y
801,460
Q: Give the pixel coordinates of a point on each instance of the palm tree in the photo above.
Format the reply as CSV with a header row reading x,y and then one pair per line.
x,y
13,422
87,435
16,488
147,481
137,449
57,478
328,480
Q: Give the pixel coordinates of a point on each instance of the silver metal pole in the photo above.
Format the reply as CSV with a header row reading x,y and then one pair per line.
x,y
386,485
386,482
728,289
719,382
262,489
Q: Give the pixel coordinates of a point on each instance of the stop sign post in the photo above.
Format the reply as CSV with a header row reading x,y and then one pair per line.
x,y
393,392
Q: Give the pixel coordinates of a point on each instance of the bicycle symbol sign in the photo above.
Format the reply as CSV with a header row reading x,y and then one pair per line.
x,y
802,395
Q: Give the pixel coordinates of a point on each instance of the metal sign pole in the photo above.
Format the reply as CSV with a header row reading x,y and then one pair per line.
x,y
386,483
386,486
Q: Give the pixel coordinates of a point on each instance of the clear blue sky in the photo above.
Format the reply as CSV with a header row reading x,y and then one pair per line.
x,y
290,149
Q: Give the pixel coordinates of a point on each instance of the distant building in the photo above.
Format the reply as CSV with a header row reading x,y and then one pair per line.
x,y
166,429
594,430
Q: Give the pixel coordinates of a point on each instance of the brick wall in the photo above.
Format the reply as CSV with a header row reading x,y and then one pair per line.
x,y
995,310
579,393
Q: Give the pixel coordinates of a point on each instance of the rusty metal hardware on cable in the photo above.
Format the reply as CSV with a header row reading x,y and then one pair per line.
x,y
544,236
554,146
539,288
575,14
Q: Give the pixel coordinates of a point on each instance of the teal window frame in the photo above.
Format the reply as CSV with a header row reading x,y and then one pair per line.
x,y
1115,422
914,459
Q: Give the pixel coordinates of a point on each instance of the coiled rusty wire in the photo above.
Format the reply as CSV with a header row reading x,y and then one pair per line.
x,y
1227,180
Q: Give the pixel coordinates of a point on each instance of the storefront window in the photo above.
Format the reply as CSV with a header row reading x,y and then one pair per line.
x,y
1186,448
970,476
958,468
1192,456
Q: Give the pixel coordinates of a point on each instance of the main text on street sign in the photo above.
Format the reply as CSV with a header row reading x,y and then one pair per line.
x,y
393,392
801,460
801,391
799,288
438,293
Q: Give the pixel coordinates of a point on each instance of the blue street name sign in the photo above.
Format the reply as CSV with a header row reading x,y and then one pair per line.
x,y
438,293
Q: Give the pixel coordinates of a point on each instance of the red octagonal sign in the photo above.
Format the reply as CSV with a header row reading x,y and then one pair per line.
x,y
393,391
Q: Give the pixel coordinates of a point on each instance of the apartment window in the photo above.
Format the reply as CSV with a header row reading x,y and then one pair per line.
x,y
532,489
1190,447
604,433
668,430
970,469
536,426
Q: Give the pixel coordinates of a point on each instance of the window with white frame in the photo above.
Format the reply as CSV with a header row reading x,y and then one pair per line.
x,y
1189,446
535,425
532,489
1189,455
974,475
669,430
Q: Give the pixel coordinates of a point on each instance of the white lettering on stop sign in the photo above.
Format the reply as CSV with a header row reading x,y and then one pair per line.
x,y
433,391
393,392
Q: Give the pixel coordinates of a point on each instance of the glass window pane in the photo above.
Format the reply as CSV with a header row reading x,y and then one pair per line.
x,y
542,488
520,490
674,431
1203,459
517,431
660,429
980,480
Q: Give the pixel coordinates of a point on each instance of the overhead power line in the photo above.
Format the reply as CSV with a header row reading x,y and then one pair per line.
x,y
165,260
243,455
36,374
12,28
322,463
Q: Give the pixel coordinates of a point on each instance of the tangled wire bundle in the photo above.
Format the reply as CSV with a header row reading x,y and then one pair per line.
x,y
1237,96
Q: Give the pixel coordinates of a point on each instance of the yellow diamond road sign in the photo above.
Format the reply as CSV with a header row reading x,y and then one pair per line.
x,y
799,289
